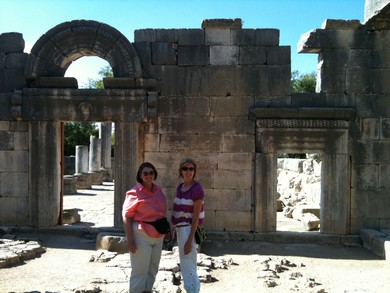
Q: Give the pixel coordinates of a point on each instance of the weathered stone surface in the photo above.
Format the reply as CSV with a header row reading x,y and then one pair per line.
x,y
11,43
70,216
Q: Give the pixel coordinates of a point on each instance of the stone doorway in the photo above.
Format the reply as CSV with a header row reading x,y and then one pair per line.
x,y
301,131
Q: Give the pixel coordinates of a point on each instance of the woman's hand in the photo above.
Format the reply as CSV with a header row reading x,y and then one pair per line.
x,y
188,246
131,246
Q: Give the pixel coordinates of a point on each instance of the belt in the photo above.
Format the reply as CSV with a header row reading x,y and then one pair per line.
x,y
184,225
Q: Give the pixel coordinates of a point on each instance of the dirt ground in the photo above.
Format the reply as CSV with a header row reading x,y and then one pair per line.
x,y
65,265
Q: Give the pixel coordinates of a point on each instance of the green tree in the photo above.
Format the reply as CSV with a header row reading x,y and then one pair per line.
x,y
303,83
77,133
98,83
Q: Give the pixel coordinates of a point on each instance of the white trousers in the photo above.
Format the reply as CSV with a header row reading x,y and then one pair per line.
x,y
188,262
145,261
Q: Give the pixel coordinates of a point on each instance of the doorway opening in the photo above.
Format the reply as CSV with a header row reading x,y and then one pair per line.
x,y
298,192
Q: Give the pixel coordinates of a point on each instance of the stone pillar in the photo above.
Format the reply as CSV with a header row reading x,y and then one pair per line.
x,y
81,167
105,131
95,161
81,159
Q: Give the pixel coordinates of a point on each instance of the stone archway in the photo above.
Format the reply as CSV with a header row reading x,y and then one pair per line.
x,y
48,104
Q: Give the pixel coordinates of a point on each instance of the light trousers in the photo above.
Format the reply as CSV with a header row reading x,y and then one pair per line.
x,y
188,262
145,261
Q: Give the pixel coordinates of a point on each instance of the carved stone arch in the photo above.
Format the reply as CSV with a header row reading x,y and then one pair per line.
x,y
53,53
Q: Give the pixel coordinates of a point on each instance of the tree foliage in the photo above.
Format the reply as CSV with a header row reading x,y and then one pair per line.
x,y
98,83
77,133
303,83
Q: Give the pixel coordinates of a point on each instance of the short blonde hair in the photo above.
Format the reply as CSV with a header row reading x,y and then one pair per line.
x,y
186,161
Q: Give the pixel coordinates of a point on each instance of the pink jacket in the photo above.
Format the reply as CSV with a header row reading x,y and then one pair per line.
x,y
142,205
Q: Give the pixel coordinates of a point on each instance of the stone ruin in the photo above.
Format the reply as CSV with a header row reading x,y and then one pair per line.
x,y
220,94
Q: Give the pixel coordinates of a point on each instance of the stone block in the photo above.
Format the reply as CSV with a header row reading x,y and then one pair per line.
x,y
359,80
115,242
228,199
252,55
12,79
2,60
190,37
217,37
4,125
187,124
380,59
18,126
14,184
233,221
166,35
238,143
70,216
11,43
279,80
222,23
370,203
144,53
243,37
314,100
310,222
370,128
232,179
224,55
21,141
6,140
163,54
384,130
359,58
280,55
365,176
145,35
13,161
331,79
384,171
199,142
16,60
381,152
240,161
193,55
240,125
230,106
173,106
267,37
5,105
70,184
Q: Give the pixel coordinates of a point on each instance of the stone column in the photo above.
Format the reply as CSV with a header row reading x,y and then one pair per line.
x,y
81,159
95,161
81,175
105,134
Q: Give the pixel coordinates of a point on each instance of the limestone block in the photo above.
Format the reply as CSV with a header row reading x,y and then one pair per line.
x,y
200,142
310,222
365,176
4,125
11,43
6,140
5,106
238,143
384,171
144,53
332,79
70,184
224,199
381,152
267,37
193,55
189,124
70,216
373,7
359,80
232,179
18,126
16,60
243,37
230,106
13,161
172,106
14,184
83,181
21,142
233,221
163,54
115,242
241,125
380,58
12,78
222,23
166,35
217,37
224,55
279,80
308,100
145,35
252,55
190,37
384,130
280,55
241,161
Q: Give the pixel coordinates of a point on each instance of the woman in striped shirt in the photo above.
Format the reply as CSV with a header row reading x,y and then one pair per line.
x,y
187,214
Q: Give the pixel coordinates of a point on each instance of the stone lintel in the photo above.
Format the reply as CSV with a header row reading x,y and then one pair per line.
x,y
129,83
304,113
56,82
341,24
222,23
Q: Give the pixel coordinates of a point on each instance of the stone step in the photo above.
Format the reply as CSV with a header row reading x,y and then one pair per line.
x,y
377,241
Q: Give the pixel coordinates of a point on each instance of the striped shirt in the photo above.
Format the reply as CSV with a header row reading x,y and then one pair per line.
x,y
183,205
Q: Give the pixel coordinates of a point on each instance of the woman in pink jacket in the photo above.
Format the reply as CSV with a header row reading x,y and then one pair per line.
x,y
144,203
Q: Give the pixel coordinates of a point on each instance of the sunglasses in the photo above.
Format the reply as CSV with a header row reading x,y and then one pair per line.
x,y
151,173
188,169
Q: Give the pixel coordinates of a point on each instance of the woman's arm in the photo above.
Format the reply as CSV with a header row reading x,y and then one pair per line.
x,y
128,225
194,225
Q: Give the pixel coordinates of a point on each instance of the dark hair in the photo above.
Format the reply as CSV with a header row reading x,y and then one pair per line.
x,y
186,161
145,165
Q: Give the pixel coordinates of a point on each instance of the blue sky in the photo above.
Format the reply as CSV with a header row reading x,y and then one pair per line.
x,y
293,18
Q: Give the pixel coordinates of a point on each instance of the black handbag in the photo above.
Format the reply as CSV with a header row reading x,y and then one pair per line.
x,y
200,235
162,225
